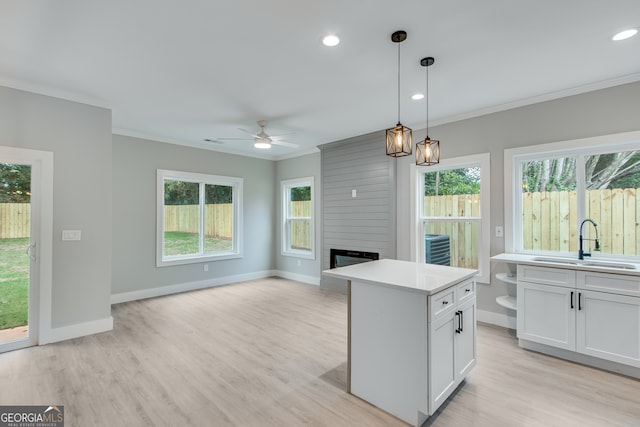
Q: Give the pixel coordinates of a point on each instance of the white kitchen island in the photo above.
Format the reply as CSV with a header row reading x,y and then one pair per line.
x,y
411,334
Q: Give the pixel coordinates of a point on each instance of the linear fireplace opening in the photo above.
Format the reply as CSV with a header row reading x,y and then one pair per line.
x,y
344,257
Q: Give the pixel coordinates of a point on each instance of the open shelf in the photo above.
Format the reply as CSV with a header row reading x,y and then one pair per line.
x,y
507,301
507,278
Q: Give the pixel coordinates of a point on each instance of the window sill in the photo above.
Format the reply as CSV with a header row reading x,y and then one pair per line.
x,y
197,259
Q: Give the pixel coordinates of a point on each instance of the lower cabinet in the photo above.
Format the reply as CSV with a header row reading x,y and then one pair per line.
x,y
599,324
546,314
452,350
608,327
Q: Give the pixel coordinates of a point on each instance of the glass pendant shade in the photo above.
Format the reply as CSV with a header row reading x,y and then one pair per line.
x,y
428,152
399,141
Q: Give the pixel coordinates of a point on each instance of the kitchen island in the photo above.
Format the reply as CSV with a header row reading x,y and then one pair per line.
x,y
411,334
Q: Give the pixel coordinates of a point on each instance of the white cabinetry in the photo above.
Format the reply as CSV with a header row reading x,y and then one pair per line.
x,y
452,342
556,308
409,351
608,327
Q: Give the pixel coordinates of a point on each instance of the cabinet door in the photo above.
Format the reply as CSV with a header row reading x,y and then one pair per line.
x,y
465,345
442,372
546,314
609,327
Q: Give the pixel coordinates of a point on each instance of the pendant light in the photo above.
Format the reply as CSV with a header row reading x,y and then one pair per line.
x,y
427,151
399,137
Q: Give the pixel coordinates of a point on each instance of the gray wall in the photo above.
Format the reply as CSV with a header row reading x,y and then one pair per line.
x,y
80,137
299,167
365,222
135,162
602,112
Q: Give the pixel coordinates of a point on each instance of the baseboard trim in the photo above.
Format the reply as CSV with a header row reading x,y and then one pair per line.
x,y
496,319
310,280
607,365
189,286
74,331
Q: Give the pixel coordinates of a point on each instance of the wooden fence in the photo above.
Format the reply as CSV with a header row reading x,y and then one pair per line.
x,y
550,221
186,219
463,235
301,229
15,220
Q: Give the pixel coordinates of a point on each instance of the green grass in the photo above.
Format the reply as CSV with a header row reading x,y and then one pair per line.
x,y
14,283
187,243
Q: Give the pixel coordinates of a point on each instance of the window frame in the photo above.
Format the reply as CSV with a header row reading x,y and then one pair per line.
x,y
579,148
483,161
202,179
285,191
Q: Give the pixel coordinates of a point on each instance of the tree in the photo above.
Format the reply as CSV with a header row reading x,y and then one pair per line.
x,y
15,183
454,181
602,171
299,194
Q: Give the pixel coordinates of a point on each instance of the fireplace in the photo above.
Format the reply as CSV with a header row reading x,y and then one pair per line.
x,y
343,257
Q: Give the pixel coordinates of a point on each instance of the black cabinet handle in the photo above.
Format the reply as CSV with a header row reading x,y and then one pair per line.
x,y
445,302
579,300
458,330
461,319
571,300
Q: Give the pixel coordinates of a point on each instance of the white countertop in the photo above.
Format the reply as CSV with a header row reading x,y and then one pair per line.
x,y
588,264
414,276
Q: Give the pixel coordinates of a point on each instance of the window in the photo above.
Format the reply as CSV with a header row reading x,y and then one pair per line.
x,y
557,186
452,212
297,218
199,217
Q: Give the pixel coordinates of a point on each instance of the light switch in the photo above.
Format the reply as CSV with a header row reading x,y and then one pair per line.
x,y
499,231
353,193
71,234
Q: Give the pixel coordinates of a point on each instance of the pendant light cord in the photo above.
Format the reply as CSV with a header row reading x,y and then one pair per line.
x,y
398,83
426,95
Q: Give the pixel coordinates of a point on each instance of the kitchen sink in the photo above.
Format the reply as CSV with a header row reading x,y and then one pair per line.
x,y
586,262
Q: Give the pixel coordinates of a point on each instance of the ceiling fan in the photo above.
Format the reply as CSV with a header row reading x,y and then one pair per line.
x,y
260,140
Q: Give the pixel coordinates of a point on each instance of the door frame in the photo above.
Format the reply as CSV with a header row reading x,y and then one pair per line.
x,y
41,233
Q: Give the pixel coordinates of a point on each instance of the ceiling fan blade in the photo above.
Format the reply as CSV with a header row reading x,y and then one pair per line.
x,y
281,135
250,133
285,144
215,141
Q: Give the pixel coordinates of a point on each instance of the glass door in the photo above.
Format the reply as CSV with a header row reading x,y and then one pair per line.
x,y
16,253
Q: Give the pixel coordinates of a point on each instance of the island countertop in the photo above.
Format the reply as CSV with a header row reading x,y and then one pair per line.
x,y
419,277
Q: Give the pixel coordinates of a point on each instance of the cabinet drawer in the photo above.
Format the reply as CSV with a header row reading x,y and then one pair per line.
x,y
442,303
466,290
612,283
547,276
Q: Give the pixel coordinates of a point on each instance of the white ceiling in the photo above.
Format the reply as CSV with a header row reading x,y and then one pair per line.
x,y
182,71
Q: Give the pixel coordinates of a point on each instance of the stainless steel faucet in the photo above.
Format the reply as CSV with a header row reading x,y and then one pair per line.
x,y
581,253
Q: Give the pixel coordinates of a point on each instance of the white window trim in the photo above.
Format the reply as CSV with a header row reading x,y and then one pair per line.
x,y
235,182
484,162
285,187
576,147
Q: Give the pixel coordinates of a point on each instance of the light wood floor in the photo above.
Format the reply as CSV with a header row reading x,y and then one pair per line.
x,y
273,353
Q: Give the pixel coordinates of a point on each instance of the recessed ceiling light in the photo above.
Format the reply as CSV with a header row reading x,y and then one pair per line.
x,y
623,35
331,40
417,96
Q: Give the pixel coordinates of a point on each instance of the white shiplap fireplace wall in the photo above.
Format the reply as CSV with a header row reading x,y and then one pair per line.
x,y
357,167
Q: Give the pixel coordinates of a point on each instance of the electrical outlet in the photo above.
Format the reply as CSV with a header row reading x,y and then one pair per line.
x,y
71,234
206,267
354,193
299,263
499,231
